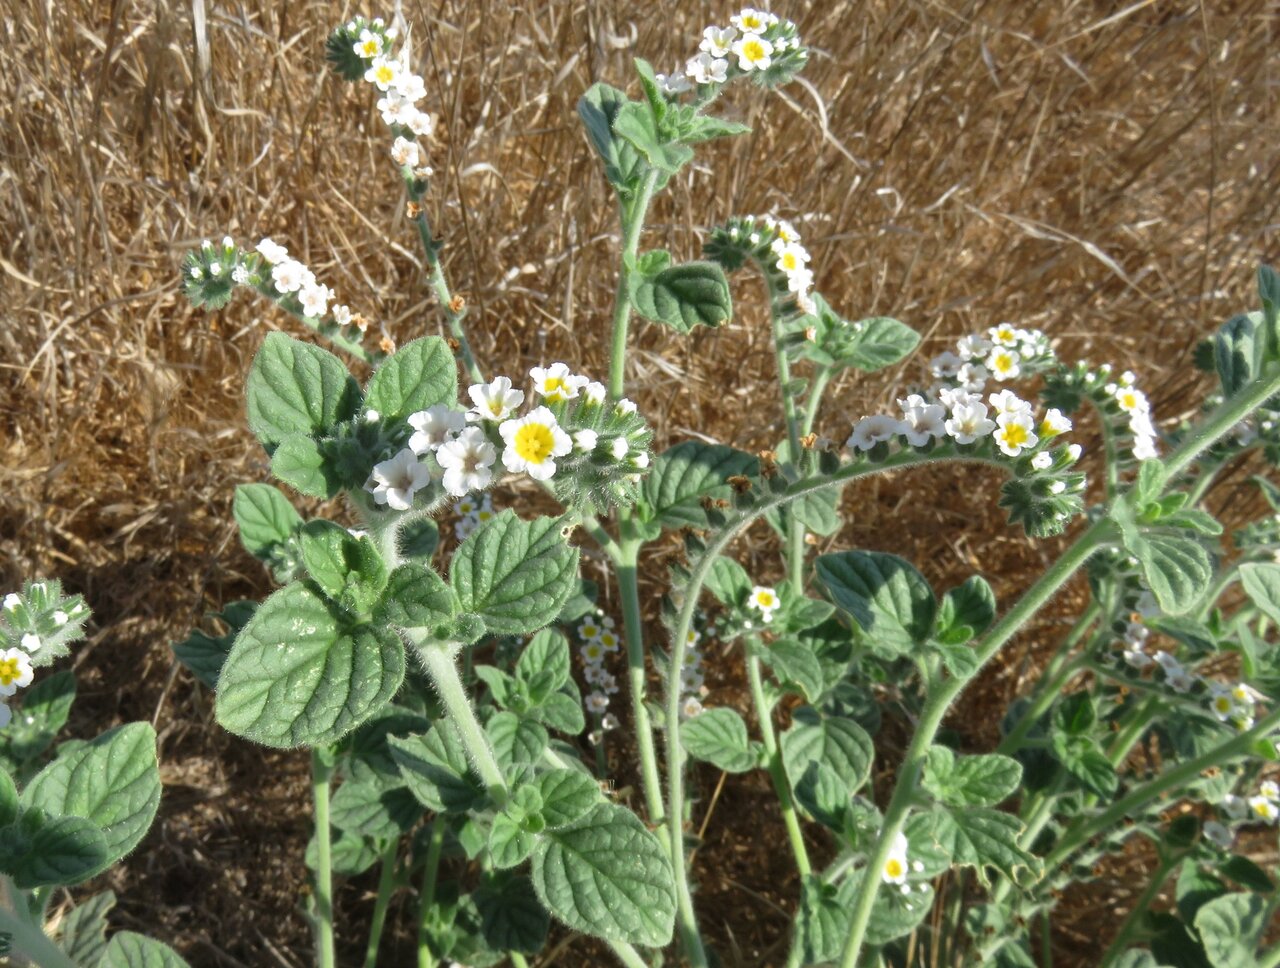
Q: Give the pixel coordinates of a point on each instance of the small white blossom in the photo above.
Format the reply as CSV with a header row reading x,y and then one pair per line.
x,y
433,427
533,442
895,865
718,41
15,671
705,69
1054,423
595,393
494,401
870,431
368,46
584,441
383,72
945,365
240,275
1260,808
315,300
690,707
556,383
969,421
30,641
1234,807
394,482
1003,363
422,124
625,407
12,601
765,601
1218,834
467,461
404,152
672,83
1015,432
754,53
1042,461
973,347
1007,402
923,423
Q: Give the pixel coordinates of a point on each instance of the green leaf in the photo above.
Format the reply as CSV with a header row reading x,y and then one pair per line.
x,y
895,915
1269,293
515,574
1247,874
880,342
205,654
516,742
822,919
544,665
8,799
971,606
1261,582
1086,762
562,711
266,520
113,781
419,375
823,795
82,932
1230,928
509,842
961,661
606,875
348,569
300,462
682,296
349,854
297,388
1152,476
688,474
300,674
129,950
885,595
634,123
419,539
416,597
1177,567
697,128
511,919
567,795
1237,351
623,164
841,744
45,708
970,781
980,837
41,850
817,511
719,736
370,808
794,663
436,769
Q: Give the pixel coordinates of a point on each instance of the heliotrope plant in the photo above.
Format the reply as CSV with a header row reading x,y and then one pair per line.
x,y
438,687
69,813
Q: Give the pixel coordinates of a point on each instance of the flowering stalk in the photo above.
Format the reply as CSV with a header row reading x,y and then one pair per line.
x,y
321,774
1235,408
633,629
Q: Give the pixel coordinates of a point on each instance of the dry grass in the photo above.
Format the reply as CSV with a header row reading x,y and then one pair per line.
x,y
1104,171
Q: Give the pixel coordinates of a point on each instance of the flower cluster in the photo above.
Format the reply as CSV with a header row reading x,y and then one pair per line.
x,y
763,601
591,449
755,44
898,868
211,273
599,640
472,512
775,246
692,678
1003,352
1124,408
36,627
1263,806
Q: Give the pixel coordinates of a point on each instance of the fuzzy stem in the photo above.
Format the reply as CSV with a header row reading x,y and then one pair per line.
x,y
438,659
27,939
386,881
931,720
629,593
781,786
321,773
1219,423
633,216
426,903
819,385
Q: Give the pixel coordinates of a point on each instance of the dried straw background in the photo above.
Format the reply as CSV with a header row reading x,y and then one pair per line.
x,y
1105,171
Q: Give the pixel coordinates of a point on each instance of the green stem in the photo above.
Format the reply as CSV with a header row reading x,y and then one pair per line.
x,y
816,389
795,529
321,773
426,904
1219,423
781,786
438,659
932,715
386,881
440,286
517,959
633,628
633,216
29,940
1271,959
1133,919
1087,828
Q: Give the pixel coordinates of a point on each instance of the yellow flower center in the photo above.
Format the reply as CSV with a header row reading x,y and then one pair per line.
x,y
555,388
1222,704
1264,810
1004,362
385,74
9,671
894,868
369,48
1014,435
495,407
789,262
534,442
751,22
1004,335
765,600
1127,400
753,51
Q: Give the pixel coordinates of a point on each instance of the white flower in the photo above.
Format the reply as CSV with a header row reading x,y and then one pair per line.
x,y
952,397
672,83
1004,335
1042,461
754,53
411,87
945,365
785,231
1015,432
609,722
895,865
395,108
60,617
15,671
404,152
870,431
718,41
800,280
1218,834
618,448
240,275
690,707
597,703
608,639
595,393
1144,448
1003,363
395,481
973,347
589,629
765,601
556,382
289,275
1007,402
753,21
434,426
584,441
421,124
12,601
494,401
368,46
968,422
342,315
1264,809
315,300
691,680
792,257
920,424
592,652
1074,451
383,72
705,69
1234,807
972,376
1054,423
215,269
1135,658
533,442
1132,400
466,461
625,407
